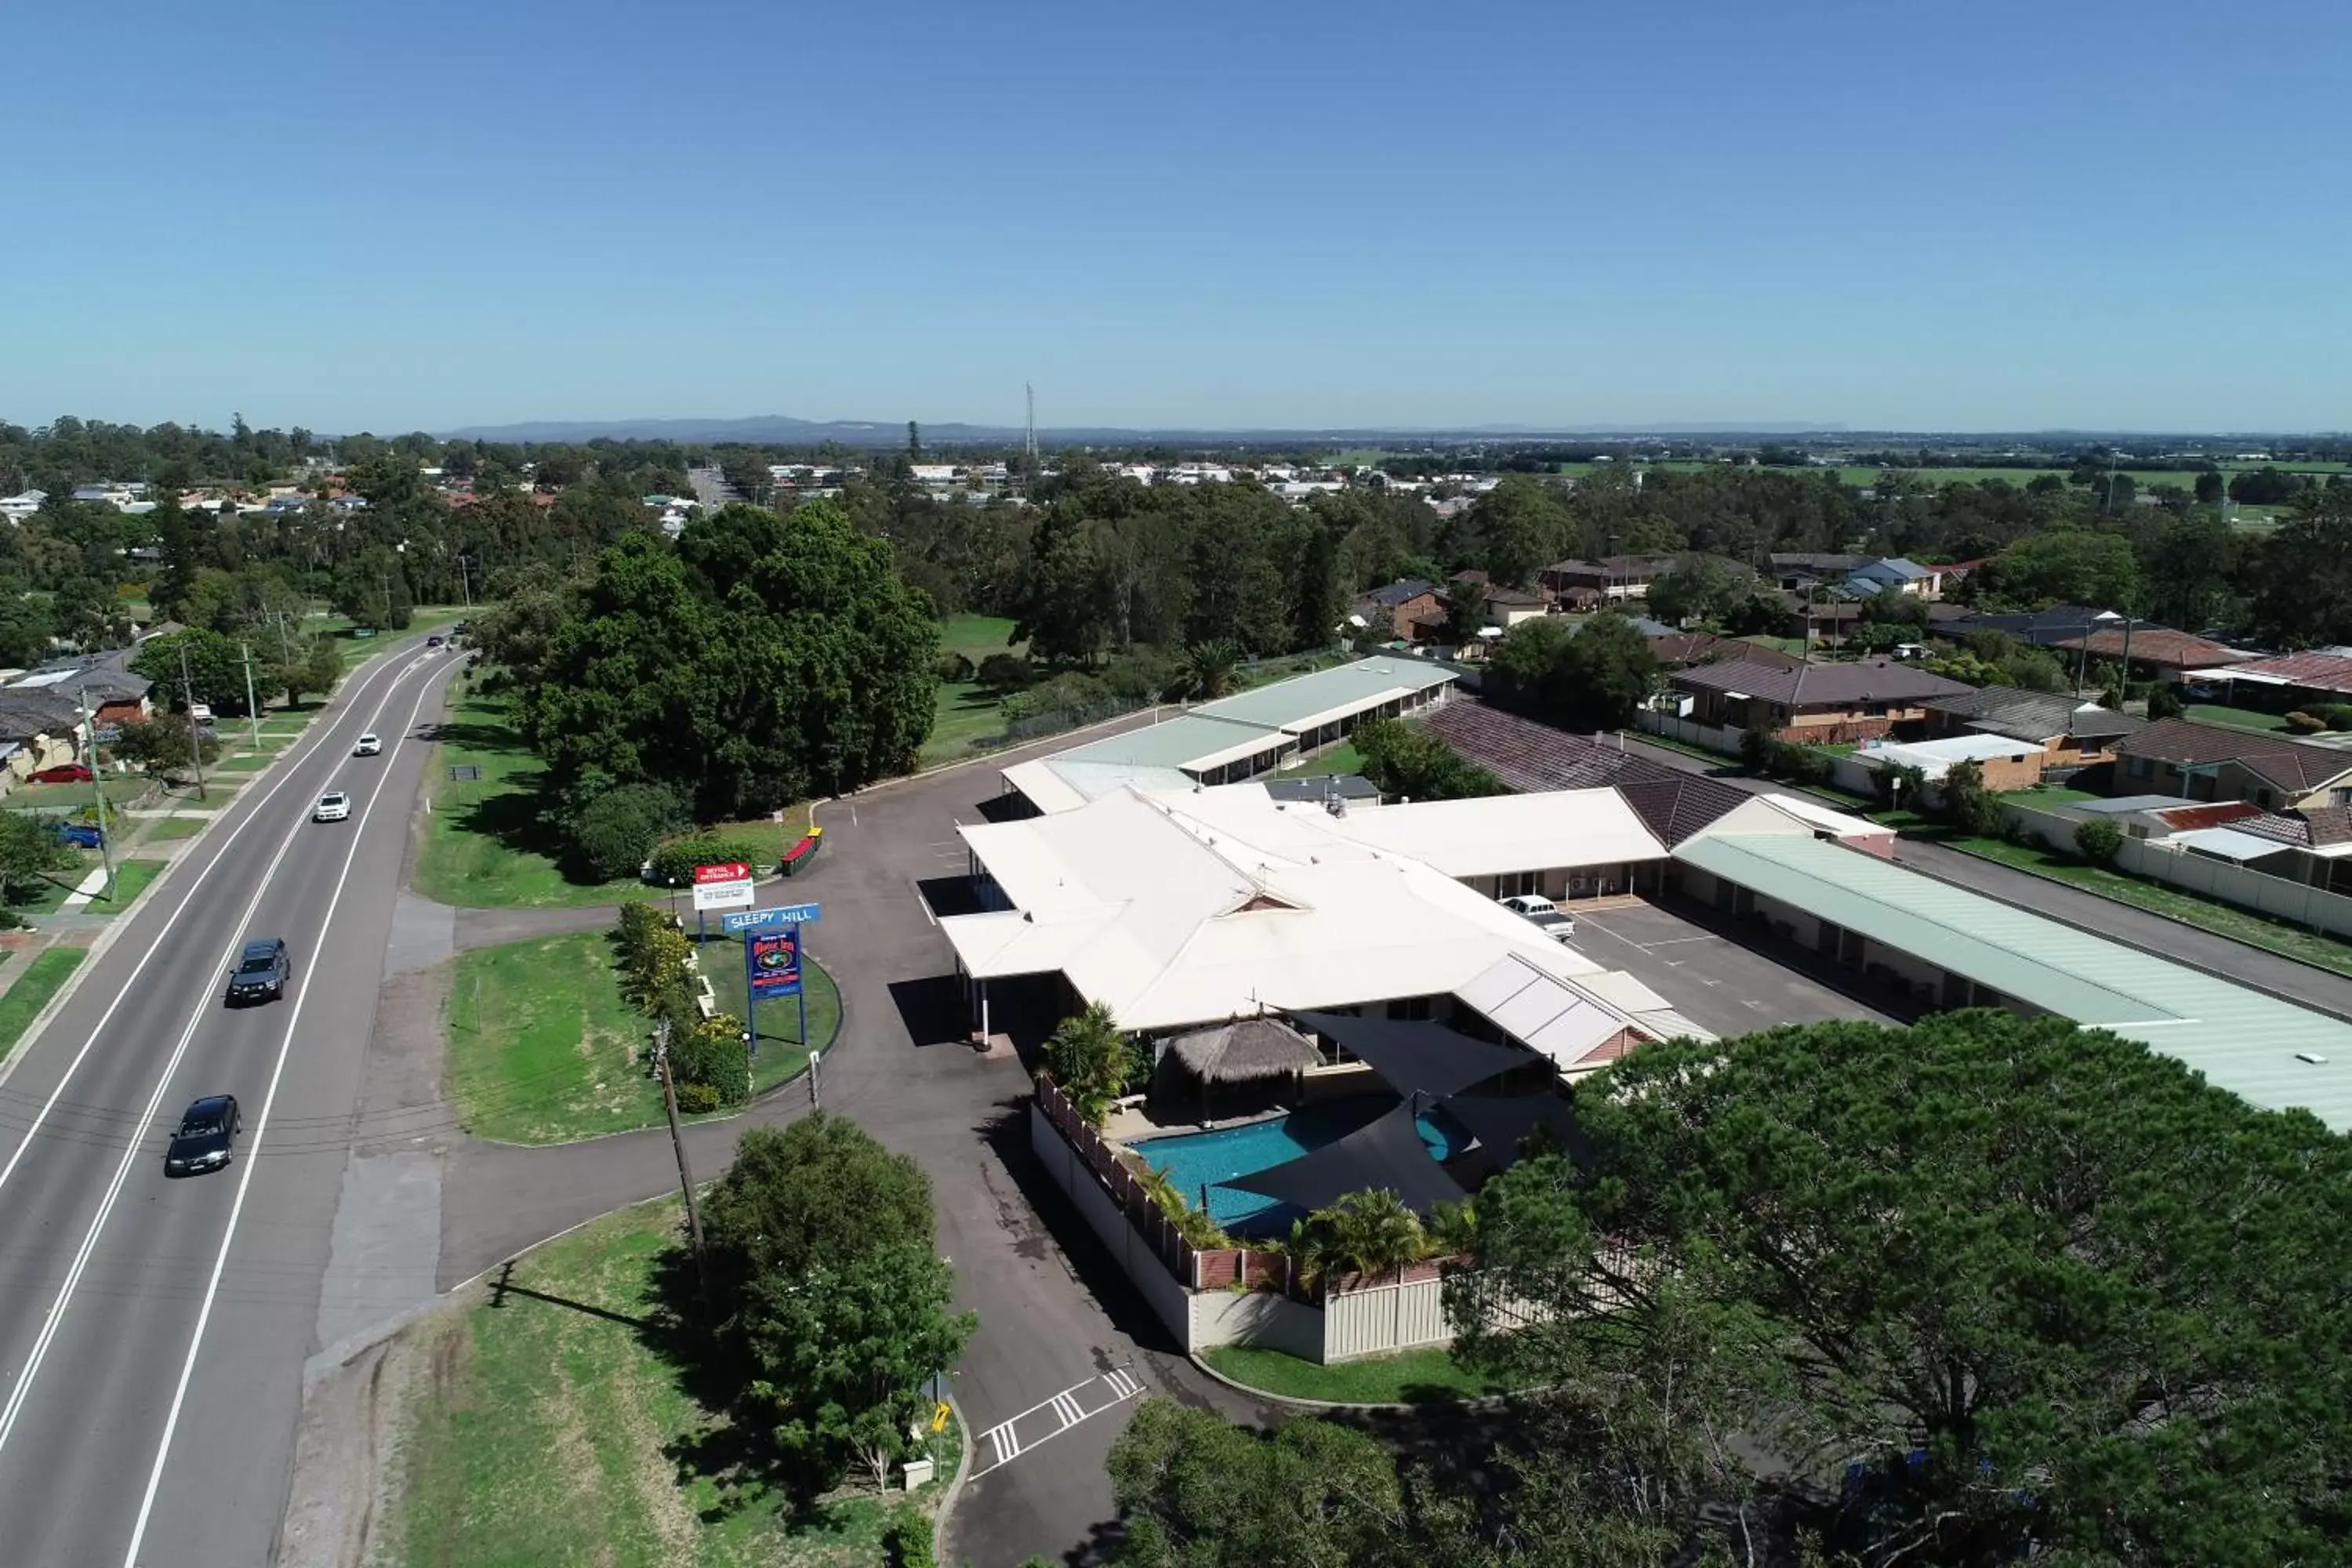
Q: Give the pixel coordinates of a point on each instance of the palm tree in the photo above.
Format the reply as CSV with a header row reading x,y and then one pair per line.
x,y
1367,1233
1209,669
1090,1057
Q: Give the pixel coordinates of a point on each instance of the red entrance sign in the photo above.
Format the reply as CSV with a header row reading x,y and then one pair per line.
x,y
731,872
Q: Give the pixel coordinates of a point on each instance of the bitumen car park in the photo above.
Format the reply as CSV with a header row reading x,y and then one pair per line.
x,y
206,1137
1549,918
262,973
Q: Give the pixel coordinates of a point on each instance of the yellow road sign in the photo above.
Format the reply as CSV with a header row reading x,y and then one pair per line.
x,y
939,1417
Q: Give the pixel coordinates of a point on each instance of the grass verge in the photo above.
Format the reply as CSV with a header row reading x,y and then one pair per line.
x,y
40,981
487,845
130,879
541,1047
162,828
1409,1377
556,1424
783,1052
2221,919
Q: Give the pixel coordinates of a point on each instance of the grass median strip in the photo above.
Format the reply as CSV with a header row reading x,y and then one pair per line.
x,y
40,981
554,1422
1409,1377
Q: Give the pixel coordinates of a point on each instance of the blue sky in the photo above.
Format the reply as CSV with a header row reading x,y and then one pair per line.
x,y
1991,215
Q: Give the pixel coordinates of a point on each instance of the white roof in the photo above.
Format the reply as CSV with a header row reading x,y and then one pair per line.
x,y
1933,758
2228,843
1187,908
1813,814
1509,833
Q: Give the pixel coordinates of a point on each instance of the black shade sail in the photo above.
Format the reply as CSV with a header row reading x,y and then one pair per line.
x,y
1387,1153
1416,1058
1502,1125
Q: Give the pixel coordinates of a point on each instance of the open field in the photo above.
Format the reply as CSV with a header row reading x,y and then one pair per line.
x,y
964,710
557,1423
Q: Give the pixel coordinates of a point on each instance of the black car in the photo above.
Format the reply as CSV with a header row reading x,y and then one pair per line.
x,y
262,974
207,1130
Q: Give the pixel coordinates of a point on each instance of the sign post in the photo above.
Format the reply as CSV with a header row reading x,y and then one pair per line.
x,y
772,956
726,885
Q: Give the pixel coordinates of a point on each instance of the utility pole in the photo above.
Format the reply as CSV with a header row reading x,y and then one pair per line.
x,y
815,1104
685,1175
252,708
195,737
464,586
98,790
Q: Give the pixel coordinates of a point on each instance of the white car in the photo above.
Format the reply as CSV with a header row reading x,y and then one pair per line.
x,y
370,744
1555,921
333,806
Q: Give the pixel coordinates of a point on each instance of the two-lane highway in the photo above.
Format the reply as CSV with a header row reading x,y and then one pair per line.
x,y
152,1330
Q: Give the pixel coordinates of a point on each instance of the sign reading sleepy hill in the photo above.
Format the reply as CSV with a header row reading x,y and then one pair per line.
x,y
776,915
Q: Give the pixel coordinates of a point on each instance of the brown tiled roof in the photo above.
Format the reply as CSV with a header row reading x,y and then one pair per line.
x,y
2290,764
2159,644
2328,824
2313,671
1822,685
1525,756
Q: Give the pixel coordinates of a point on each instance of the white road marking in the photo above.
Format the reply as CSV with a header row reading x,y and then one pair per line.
x,y
220,853
253,1155
1069,1409
134,1146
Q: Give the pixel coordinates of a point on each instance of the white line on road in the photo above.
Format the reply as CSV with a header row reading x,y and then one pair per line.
x,y
1068,1409
253,1154
133,1146
1000,1439
220,853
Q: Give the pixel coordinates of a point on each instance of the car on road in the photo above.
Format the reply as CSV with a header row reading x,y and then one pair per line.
x,y
207,1134
1554,922
433,641
262,971
370,745
64,773
333,806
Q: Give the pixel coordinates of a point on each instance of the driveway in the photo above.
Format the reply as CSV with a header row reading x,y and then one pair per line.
x,y
1711,976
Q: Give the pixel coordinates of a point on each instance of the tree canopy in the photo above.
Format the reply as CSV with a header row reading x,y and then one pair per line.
x,y
763,660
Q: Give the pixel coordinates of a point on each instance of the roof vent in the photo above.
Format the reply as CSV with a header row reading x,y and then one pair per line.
x,y
2313,1058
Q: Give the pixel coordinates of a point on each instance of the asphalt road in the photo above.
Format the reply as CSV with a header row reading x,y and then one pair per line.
x,y
153,1331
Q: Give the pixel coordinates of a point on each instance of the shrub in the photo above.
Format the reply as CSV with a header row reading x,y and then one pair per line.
x,y
952,667
674,862
2097,839
1756,749
908,1541
617,830
2164,700
2338,715
1065,696
1141,676
710,1054
696,1100
1003,672
2304,723
1201,1233
654,975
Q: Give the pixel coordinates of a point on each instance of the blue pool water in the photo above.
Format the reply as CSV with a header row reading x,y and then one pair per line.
x,y
1195,1160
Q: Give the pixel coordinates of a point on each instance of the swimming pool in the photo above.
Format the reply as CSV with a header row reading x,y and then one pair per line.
x,y
1193,1160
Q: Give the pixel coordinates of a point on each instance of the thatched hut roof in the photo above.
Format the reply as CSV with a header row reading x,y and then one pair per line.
x,y
1245,1050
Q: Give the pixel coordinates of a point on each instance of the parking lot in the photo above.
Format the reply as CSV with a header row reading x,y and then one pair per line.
x,y
1715,982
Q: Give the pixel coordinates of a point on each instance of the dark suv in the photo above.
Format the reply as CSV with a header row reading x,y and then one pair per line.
x,y
262,974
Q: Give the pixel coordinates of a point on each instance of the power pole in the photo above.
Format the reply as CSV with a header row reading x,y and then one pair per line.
x,y
252,708
98,790
685,1175
195,737
464,586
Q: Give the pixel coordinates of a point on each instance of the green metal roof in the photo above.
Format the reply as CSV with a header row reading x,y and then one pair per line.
x,y
2241,1040
1287,702
1173,743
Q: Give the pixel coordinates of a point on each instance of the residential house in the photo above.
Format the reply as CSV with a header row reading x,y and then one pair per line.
x,y
2003,763
1611,578
1896,574
22,505
1831,621
1822,702
2044,628
41,729
1801,570
2283,684
2070,734
1680,650
1506,607
1396,609
2154,653
2209,762
102,680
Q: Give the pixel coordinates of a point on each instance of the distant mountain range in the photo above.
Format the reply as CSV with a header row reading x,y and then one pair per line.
x,y
781,430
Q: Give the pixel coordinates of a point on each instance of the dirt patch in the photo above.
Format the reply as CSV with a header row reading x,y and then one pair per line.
x,y
345,1449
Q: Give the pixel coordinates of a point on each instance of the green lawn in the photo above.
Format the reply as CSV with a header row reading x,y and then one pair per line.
x,y
1342,758
963,712
977,637
1410,1377
2233,718
782,1053
121,789
248,764
162,828
553,1422
486,845
130,879
219,790
41,979
541,1047
2221,919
